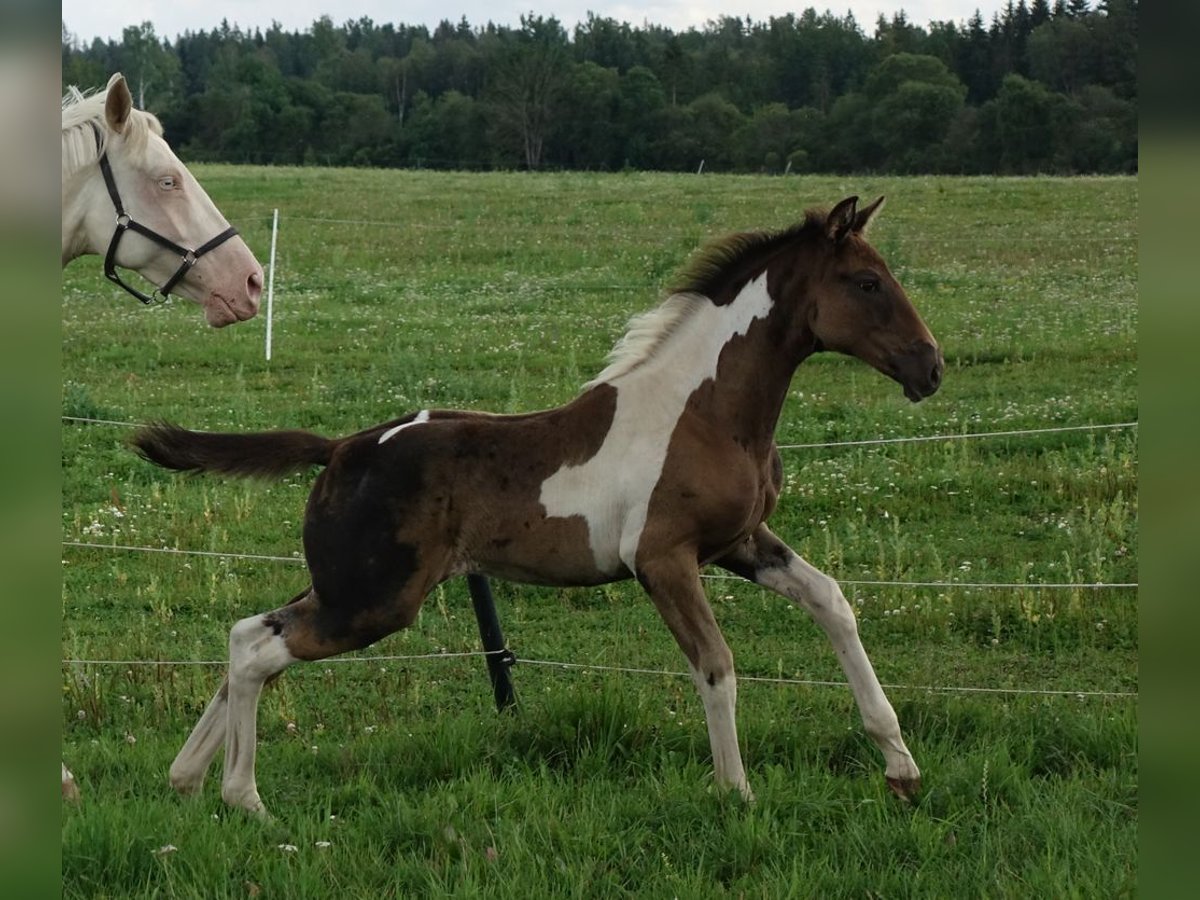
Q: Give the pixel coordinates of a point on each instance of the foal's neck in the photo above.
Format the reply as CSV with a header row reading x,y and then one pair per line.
x,y
725,363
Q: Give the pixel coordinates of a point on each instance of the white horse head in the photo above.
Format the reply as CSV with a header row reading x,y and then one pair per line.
x,y
159,196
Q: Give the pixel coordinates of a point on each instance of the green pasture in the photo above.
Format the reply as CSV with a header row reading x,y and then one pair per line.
x,y
396,291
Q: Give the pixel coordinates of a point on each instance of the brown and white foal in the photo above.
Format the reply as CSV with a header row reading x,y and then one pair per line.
x,y
664,463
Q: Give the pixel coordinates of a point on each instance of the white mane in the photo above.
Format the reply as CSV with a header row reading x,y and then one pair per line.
x,y
646,333
85,131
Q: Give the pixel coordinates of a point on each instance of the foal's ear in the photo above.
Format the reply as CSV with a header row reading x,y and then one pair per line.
x,y
863,217
840,221
118,103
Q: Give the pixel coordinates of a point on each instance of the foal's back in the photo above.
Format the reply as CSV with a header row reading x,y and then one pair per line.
x,y
454,492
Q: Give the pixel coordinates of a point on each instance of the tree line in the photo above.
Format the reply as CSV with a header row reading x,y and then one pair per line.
x,y
1040,88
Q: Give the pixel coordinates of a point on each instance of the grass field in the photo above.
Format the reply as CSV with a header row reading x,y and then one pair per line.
x,y
395,778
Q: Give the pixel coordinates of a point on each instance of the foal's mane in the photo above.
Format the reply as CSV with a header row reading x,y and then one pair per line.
x,y
85,131
721,266
710,270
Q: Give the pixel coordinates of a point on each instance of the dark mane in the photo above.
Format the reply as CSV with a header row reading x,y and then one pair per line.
x,y
715,274
738,257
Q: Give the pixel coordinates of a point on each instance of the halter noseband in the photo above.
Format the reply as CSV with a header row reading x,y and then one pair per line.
x,y
126,223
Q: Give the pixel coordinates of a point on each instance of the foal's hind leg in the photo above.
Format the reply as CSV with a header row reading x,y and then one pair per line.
x,y
261,647
207,737
192,761
674,586
257,651
766,560
70,790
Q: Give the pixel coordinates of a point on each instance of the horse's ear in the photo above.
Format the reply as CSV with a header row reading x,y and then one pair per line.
x,y
840,221
118,103
863,217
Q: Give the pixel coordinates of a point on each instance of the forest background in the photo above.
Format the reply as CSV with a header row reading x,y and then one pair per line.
x,y
1040,88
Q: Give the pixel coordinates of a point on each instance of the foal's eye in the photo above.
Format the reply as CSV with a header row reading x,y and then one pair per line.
x,y
868,285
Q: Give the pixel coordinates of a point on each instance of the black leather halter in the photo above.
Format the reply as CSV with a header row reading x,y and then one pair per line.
x,y
126,223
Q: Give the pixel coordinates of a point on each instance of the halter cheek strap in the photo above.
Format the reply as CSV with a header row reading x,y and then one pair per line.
x,y
126,223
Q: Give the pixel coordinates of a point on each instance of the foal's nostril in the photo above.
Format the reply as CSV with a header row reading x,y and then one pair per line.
x,y
935,376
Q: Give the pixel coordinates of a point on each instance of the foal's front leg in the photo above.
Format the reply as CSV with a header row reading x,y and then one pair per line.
x,y
766,560
674,586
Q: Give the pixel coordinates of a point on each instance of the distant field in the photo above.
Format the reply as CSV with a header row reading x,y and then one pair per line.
x,y
402,290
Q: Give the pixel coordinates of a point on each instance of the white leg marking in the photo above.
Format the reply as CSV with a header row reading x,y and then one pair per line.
x,y
821,596
192,761
612,489
720,701
421,418
255,654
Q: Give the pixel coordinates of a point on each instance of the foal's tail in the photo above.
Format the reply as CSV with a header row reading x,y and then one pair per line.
x,y
266,454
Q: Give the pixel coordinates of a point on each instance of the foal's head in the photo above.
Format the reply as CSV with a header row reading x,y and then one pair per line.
x,y
855,306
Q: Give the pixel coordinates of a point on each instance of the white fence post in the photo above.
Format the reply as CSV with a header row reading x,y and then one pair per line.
x,y
271,282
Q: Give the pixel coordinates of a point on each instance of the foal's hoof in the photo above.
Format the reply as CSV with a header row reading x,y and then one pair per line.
x,y
186,785
257,812
747,796
907,789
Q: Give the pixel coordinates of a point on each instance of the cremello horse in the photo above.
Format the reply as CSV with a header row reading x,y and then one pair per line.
x,y
126,195
664,463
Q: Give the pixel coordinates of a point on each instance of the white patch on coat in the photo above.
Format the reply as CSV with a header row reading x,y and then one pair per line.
x,y
612,489
421,418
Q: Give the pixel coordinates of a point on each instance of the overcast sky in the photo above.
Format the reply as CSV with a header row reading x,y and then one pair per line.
x,y
87,19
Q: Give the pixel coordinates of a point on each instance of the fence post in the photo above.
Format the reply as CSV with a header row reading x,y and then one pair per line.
x,y
271,283
499,658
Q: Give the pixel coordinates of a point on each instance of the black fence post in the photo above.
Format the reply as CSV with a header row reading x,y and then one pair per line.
x,y
499,658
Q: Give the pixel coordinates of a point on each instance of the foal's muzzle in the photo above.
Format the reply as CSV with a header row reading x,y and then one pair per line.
x,y
919,370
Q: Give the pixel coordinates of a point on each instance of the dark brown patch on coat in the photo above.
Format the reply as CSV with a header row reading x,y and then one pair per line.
x,y
386,522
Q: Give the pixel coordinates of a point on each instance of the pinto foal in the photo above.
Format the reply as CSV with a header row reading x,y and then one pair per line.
x,y
664,463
